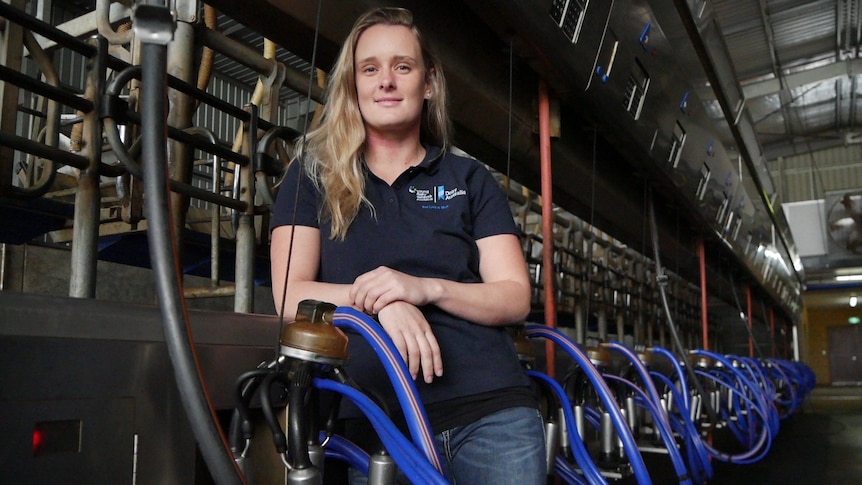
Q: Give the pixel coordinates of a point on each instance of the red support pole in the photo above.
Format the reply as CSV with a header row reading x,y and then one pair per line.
x,y
750,322
704,324
547,221
772,328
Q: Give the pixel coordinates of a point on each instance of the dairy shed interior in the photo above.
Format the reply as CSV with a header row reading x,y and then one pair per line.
x,y
684,175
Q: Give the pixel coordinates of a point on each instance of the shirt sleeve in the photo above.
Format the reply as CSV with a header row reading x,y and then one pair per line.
x,y
490,206
298,201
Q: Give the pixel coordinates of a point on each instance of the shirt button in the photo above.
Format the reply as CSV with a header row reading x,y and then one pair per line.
x,y
391,200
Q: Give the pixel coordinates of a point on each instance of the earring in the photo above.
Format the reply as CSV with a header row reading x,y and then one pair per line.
x,y
427,94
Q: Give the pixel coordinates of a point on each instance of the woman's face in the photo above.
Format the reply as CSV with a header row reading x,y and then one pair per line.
x,y
390,80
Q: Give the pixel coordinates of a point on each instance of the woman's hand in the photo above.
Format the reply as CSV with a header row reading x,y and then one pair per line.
x,y
377,288
414,339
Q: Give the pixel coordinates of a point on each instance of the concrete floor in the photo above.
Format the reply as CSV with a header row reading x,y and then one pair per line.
x,y
821,444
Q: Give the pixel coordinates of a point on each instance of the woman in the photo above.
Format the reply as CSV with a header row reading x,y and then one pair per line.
x,y
384,219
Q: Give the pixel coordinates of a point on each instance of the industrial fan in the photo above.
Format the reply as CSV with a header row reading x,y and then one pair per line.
x,y
844,222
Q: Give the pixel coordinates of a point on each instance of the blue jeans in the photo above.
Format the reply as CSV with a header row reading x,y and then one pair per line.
x,y
507,447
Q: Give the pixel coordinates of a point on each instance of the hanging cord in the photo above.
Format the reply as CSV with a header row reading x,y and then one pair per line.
x,y
299,176
661,279
589,263
509,136
742,316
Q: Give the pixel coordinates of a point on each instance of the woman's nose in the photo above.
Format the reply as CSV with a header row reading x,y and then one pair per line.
x,y
386,80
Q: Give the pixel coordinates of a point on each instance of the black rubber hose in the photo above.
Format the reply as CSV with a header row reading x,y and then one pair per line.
x,y
297,418
178,338
681,350
241,426
338,375
279,439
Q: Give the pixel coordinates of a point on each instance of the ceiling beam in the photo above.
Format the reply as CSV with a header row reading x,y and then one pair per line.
x,y
849,67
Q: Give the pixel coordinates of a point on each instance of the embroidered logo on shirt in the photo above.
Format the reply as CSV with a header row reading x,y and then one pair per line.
x,y
439,193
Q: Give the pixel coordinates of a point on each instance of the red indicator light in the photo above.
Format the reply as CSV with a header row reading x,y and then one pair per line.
x,y
37,441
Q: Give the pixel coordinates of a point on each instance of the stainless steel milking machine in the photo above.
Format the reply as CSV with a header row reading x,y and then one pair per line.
x,y
613,411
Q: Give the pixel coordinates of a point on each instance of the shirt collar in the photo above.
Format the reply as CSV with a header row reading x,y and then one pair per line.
x,y
431,162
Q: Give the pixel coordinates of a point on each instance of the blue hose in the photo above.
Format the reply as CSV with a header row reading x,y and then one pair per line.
x,y
566,473
411,462
744,426
647,382
698,456
604,393
662,425
757,449
582,456
680,373
346,451
396,369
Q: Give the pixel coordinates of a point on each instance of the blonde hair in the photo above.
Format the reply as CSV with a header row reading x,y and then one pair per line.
x,y
332,151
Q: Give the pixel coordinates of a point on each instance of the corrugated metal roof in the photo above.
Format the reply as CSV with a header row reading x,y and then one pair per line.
x,y
779,39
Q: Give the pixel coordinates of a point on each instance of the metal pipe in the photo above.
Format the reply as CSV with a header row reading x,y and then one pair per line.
x,y
11,54
750,322
547,221
52,116
103,24
580,328
196,141
620,321
772,328
2,266
41,150
704,320
135,169
19,17
180,113
252,59
602,317
245,236
209,291
215,225
215,221
85,231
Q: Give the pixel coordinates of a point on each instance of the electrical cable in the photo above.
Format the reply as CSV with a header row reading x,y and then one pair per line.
x,y
299,177
742,315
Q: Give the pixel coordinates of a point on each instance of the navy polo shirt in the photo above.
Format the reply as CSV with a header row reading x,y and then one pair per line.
x,y
425,224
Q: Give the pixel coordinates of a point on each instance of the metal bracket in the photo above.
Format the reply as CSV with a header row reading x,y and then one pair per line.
x,y
154,24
